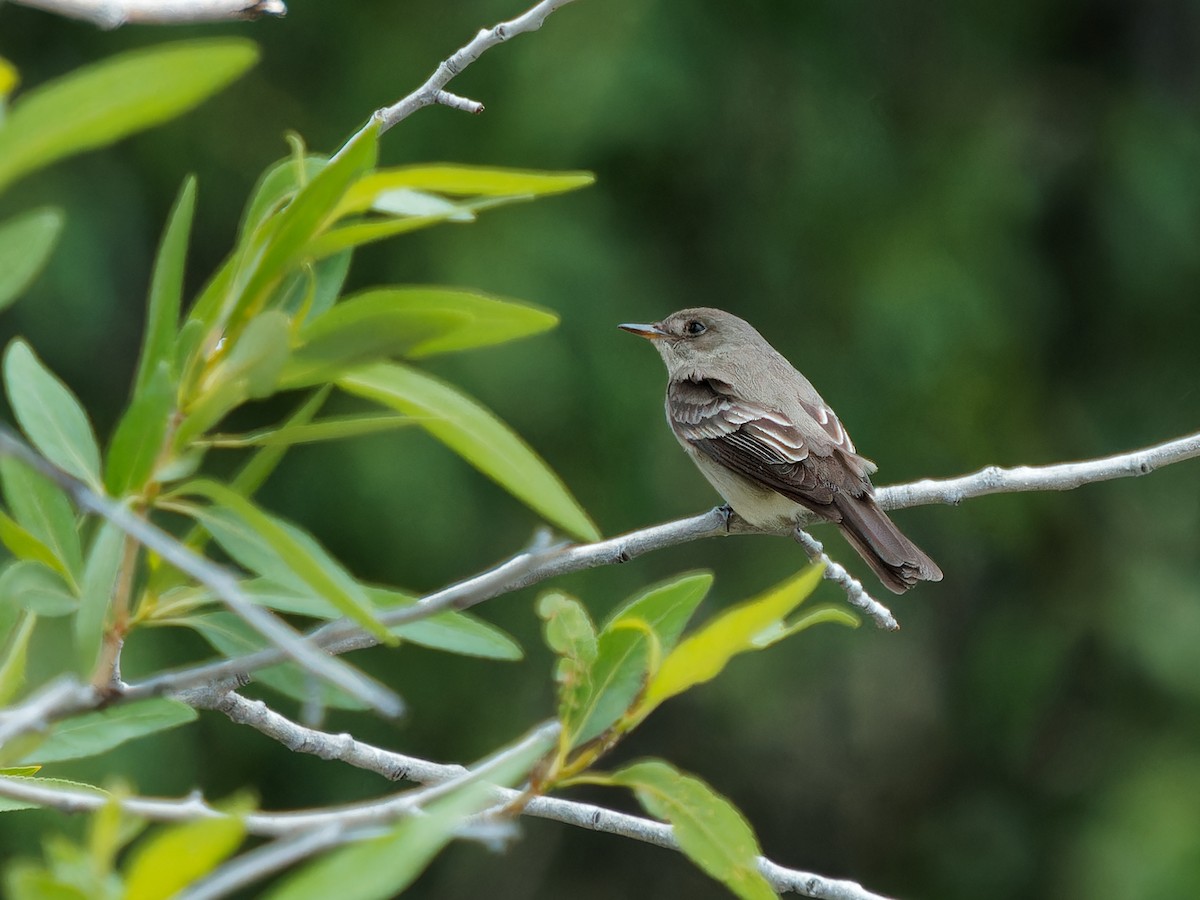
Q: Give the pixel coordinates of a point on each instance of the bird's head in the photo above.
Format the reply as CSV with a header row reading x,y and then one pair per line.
x,y
692,336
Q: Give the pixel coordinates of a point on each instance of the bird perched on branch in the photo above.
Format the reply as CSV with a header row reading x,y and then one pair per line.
x,y
761,434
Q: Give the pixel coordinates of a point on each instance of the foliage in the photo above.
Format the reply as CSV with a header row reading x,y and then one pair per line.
x,y
273,319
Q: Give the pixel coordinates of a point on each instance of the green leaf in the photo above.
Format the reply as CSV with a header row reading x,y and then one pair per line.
x,y
623,655
299,557
411,322
382,867
315,288
37,588
329,429
15,656
702,656
346,237
138,441
477,436
99,579
26,242
96,105
465,181
260,466
71,787
710,830
45,527
287,234
166,291
9,79
571,635
278,184
250,372
50,415
94,733
175,857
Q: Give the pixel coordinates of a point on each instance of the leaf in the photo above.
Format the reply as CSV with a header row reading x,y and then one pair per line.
x,y
94,733
138,441
37,588
702,656
466,181
315,288
476,435
260,466
346,237
571,635
15,656
329,429
26,242
45,527
50,415
97,105
411,322
277,184
383,866
298,557
175,857
72,787
250,372
620,670
710,830
166,291
99,580
287,234
9,79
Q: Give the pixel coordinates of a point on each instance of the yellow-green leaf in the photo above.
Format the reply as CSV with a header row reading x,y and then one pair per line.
x,y
170,860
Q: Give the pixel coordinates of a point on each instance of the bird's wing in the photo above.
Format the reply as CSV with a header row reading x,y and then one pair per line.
x,y
806,459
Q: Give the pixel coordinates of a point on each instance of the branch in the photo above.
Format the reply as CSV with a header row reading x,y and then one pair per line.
x,y
115,13
855,592
433,91
222,582
1022,479
344,748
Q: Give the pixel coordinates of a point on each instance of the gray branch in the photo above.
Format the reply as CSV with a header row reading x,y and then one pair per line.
x,y
344,748
433,90
222,582
115,13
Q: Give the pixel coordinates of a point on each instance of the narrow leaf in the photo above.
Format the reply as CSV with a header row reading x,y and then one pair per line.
x,y
45,513
99,579
37,588
710,830
477,436
175,857
24,545
463,181
620,670
26,242
94,733
260,466
301,556
572,636
138,441
15,656
166,290
96,105
702,656
329,429
50,415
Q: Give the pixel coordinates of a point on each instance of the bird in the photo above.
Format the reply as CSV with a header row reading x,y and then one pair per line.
x,y
761,434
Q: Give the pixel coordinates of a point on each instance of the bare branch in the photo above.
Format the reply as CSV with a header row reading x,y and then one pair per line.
x,y
344,748
115,13
222,582
855,592
1022,479
433,91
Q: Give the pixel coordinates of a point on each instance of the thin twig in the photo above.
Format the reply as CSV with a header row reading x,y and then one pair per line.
x,y
344,748
222,582
433,90
115,13
855,592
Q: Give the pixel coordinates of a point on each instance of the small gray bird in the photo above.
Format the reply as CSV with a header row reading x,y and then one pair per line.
x,y
761,434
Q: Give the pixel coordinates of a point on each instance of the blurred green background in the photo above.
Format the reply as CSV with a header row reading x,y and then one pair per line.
x,y
975,227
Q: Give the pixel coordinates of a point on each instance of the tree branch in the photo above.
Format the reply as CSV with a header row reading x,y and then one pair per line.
x,y
115,13
222,582
433,90
344,748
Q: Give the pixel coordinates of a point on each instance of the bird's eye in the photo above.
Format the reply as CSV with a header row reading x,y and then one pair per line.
x,y
695,326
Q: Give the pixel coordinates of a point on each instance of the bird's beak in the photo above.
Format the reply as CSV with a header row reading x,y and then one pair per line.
x,y
650,332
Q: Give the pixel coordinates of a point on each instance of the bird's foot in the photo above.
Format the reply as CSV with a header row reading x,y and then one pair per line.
x,y
727,515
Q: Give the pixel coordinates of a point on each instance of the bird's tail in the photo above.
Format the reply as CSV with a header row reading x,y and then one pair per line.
x,y
897,561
